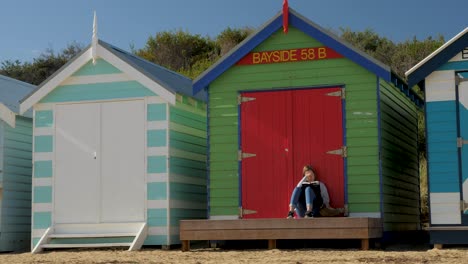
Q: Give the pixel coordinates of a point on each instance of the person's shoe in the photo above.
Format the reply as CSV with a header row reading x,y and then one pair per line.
x,y
308,214
290,215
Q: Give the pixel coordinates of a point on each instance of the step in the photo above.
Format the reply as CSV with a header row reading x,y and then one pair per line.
x,y
98,245
92,235
101,228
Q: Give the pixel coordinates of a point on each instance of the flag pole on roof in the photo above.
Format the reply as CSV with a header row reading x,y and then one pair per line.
x,y
285,16
95,39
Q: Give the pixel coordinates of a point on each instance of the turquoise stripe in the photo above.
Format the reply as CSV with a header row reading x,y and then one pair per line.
x,y
97,91
157,164
156,240
156,112
43,169
43,144
44,118
42,220
441,106
101,67
454,65
157,217
35,240
157,191
42,194
156,138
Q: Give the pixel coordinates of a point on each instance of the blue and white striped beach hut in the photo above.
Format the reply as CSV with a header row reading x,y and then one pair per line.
x,y
444,76
15,166
119,153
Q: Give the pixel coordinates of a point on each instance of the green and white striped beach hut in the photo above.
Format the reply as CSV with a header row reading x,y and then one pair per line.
x,y
15,166
119,153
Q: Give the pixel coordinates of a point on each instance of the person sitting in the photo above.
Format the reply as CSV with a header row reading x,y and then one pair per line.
x,y
317,200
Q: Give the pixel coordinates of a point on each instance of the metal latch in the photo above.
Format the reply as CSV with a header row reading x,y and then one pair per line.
x,y
340,93
463,205
243,212
461,142
343,152
242,99
242,155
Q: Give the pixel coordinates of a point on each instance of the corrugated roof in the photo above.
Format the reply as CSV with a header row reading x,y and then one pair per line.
x,y
168,79
12,91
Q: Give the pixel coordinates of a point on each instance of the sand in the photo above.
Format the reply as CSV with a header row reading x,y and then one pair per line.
x,y
257,256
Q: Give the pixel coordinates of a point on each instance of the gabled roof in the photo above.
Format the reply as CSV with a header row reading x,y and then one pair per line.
x,y
11,92
437,58
160,80
303,24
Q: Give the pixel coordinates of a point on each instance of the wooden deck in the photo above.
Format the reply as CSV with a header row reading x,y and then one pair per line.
x,y
274,229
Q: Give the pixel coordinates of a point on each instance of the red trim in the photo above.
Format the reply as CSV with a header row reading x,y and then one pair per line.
x,y
285,16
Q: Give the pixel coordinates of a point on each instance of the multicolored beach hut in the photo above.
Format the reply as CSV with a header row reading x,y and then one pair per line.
x,y
444,76
279,101
15,166
119,153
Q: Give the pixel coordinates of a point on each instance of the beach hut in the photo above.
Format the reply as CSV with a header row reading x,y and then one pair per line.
x,y
444,77
15,166
119,152
279,101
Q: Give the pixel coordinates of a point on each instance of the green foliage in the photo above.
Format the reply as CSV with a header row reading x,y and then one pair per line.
x,y
40,68
229,38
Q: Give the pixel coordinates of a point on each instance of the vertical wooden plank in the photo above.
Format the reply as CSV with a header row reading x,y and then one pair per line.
x,y
185,245
438,246
365,244
272,244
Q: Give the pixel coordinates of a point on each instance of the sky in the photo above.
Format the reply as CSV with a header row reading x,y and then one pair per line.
x,y
29,27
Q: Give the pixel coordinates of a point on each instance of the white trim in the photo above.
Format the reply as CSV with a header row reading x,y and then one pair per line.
x,y
100,78
158,230
55,81
158,151
158,177
155,100
157,204
134,73
43,240
437,51
38,232
42,181
224,217
44,106
43,156
43,207
187,179
157,125
370,215
7,115
44,131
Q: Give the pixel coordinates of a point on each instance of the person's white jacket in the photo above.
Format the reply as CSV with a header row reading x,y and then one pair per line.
x,y
323,191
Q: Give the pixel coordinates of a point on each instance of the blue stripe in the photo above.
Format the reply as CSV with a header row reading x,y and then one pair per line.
x,y
42,220
157,164
157,217
42,194
43,169
157,112
44,118
440,106
157,191
454,65
157,138
99,67
43,144
156,240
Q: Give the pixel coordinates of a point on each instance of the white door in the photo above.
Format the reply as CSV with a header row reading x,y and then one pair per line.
x,y
123,161
76,186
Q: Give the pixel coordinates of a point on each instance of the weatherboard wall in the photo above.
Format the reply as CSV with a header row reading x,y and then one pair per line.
x,y
399,157
363,183
96,83
15,197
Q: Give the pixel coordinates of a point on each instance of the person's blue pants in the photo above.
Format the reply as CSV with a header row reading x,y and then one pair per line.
x,y
299,204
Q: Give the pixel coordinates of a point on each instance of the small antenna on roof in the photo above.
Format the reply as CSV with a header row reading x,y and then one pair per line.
x,y
95,39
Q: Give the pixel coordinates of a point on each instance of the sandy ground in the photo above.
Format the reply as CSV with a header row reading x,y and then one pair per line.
x,y
206,255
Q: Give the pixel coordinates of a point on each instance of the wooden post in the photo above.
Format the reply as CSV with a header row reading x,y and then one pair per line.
x,y
365,244
438,246
272,244
185,245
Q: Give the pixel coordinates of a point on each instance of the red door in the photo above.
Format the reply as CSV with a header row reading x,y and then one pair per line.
x,y
286,130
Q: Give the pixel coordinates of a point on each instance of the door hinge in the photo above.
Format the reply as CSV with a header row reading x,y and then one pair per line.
x,y
463,205
341,93
343,152
461,142
242,99
242,155
243,212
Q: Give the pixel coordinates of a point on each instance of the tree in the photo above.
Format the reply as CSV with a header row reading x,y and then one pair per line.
x,y
42,67
229,38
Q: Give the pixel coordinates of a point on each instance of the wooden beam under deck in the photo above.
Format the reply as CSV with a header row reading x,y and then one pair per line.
x,y
273,229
